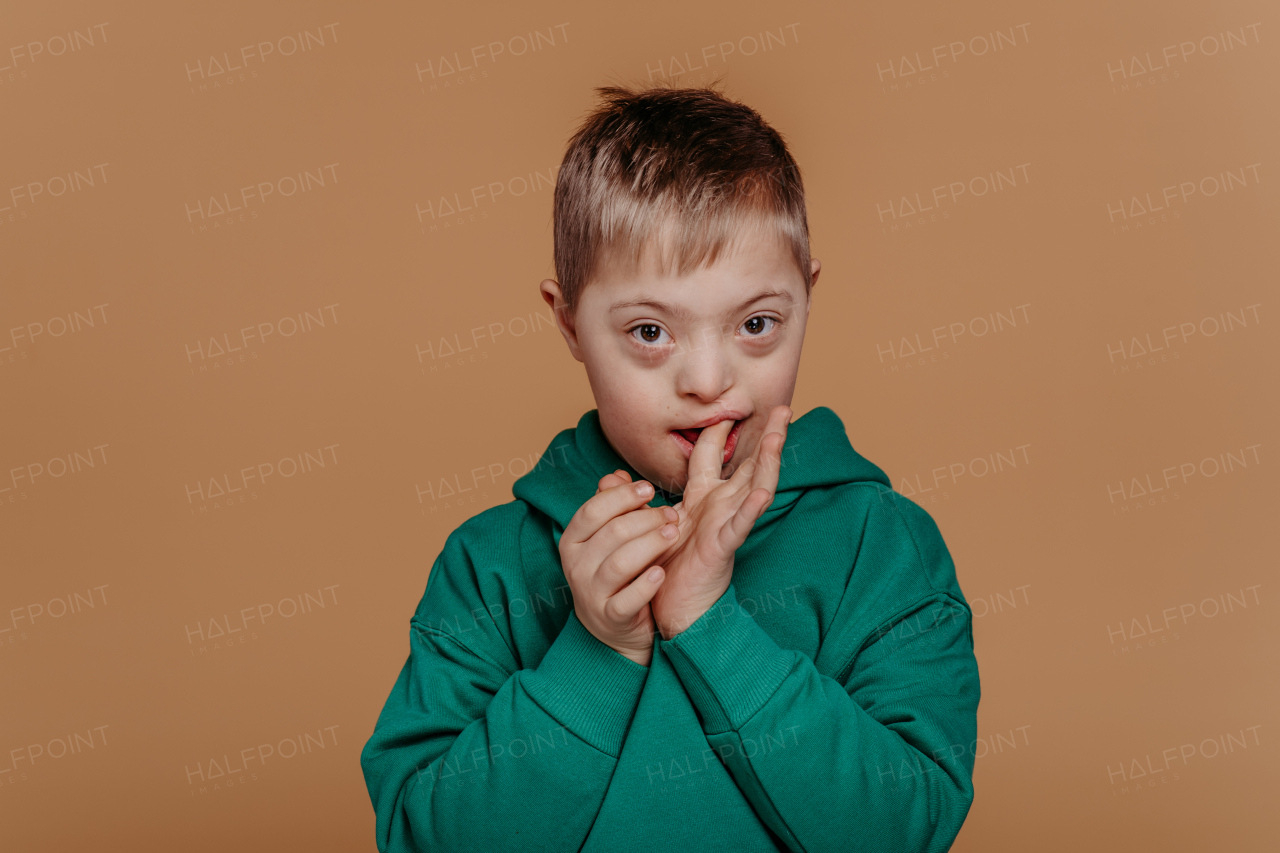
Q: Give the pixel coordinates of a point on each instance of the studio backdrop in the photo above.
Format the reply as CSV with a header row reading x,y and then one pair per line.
x,y
270,331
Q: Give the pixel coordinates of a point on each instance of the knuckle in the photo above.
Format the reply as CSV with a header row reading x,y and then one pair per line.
x,y
593,514
615,564
610,610
589,510
638,522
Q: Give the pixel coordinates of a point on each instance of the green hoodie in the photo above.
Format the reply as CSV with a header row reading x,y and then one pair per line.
x,y
827,701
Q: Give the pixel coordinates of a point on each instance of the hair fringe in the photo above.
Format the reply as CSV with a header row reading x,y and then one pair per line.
x,y
681,171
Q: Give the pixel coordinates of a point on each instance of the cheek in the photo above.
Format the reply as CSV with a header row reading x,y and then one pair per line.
x,y
768,381
621,391
634,420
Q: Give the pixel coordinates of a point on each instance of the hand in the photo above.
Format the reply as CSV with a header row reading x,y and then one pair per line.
x,y
715,517
610,542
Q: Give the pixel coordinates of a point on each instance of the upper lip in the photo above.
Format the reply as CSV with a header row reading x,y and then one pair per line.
x,y
727,415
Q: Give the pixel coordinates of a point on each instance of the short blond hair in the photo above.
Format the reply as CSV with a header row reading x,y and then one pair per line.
x,y
680,170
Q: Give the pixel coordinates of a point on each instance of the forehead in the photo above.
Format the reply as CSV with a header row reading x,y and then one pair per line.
x,y
754,262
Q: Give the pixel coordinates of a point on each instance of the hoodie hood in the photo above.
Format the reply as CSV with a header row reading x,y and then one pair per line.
x,y
817,453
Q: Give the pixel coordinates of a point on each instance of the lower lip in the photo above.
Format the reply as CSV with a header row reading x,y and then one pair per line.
x,y
730,444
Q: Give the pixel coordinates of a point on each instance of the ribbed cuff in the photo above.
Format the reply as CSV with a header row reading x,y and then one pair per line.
x,y
728,664
588,687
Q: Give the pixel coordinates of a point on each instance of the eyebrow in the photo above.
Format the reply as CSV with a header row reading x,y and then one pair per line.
x,y
681,313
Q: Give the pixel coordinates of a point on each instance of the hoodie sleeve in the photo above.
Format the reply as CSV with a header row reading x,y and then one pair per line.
x,y
878,758
473,752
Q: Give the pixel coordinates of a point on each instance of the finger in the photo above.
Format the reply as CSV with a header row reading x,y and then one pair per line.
x,y
779,421
742,476
769,465
750,470
735,530
706,460
761,471
608,481
619,566
626,604
620,531
602,508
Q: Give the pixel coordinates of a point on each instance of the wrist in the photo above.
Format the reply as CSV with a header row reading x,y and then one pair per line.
x,y
729,665
676,620
584,685
633,653
640,656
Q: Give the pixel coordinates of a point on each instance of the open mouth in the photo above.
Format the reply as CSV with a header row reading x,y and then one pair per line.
x,y
687,438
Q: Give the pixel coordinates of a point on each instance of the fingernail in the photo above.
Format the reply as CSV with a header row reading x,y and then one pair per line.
x,y
670,514
644,489
669,531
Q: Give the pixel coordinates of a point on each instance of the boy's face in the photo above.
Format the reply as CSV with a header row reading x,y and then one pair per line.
x,y
669,354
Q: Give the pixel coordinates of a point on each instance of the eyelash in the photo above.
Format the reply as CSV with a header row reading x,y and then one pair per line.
x,y
632,331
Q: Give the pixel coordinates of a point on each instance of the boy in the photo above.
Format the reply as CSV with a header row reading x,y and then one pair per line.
x,y
769,650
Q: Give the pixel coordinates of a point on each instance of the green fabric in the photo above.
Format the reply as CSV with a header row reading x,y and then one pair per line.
x,y
828,701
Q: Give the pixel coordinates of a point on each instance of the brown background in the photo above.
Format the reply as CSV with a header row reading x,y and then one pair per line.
x,y
1073,535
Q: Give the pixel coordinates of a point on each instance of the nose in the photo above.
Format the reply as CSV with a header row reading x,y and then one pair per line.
x,y
705,370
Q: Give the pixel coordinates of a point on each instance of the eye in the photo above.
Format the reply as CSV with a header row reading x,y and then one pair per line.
x,y
759,326
648,333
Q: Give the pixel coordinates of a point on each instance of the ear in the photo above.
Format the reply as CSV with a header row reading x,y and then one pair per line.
x,y
815,267
550,290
